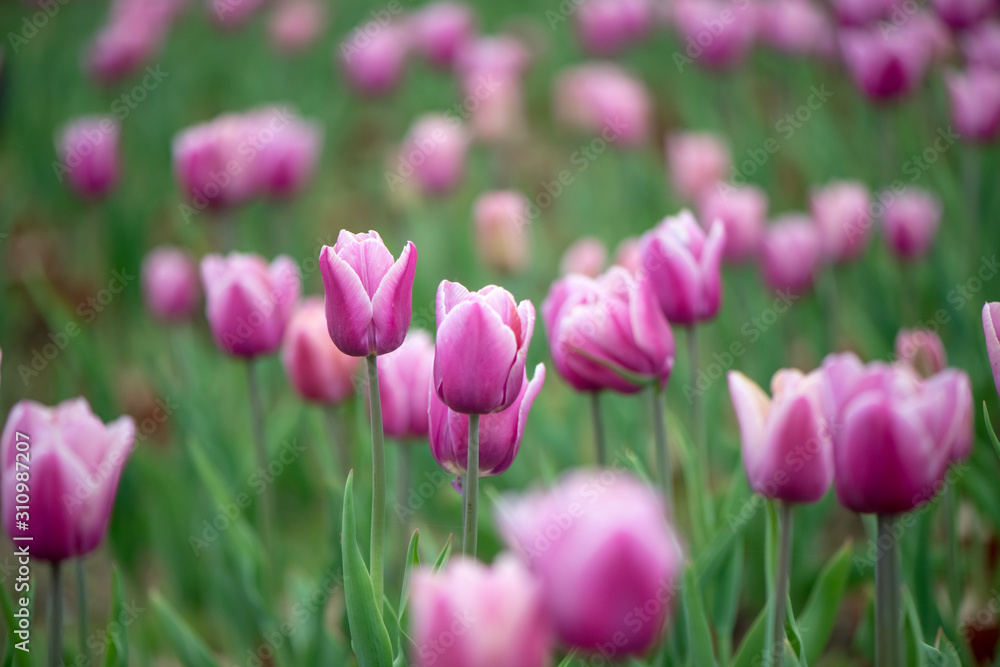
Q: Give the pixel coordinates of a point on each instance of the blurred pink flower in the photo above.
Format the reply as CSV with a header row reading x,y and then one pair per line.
x,y
886,65
605,27
795,27
88,155
791,253
981,45
373,57
975,103
440,30
910,222
434,152
742,212
170,283
501,220
498,56
715,33
404,377
134,33
586,256
316,369
922,349
861,12
602,99
628,255
961,14
696,161
841,210
296,25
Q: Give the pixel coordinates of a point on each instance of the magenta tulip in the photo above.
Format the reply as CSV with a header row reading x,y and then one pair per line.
x,y
742,212
283,165
368,296
960,14
473,615
786,446
501,222
170,284
628,256
608,333
88,155
682,264
841,211
607,559
922,350
248,302
981,45
715,33
211,162
403,374
796,27
441,30
500,433
134,33
910,222
373,58
482,341
696,162
75,463
602,99
791,254
434,151
975,103
886,65
316,369
605,27
497,57
861,12
230,15
586,256
991,328
296,25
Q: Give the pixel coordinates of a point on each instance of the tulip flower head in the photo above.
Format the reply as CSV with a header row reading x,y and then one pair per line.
x,y
975,103
441,30
715,33
910,221
981,45
605,27
922,349
402,375
796,27
373,58
586,256
602,99
170,284
991,328
886,65
697,161
88,155
841,210
368,295
791,253
316,369
296,25
627,255
961,14
742,212
434,152
501,222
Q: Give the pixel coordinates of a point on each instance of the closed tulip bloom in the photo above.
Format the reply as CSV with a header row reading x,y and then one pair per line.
x,y
608,333
886,66
402,376
482,341
841,210
981,45
791,254
434,150
742,212
441,30
501,221
373,58
605,27
368,295
975,103
786,446
284,165
960,14
861,12
498,115
296,25
682,264
316,369
500,433
170,284
922,350
991,328
498,56
940,41
796,27
628,256
76,461
600,545
230,15
586,256
88,155
494,613
696,161
134,33
602,99
248,302
910,221
203,155
715,33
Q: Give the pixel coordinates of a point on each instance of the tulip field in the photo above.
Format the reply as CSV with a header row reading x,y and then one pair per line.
x,y
500,334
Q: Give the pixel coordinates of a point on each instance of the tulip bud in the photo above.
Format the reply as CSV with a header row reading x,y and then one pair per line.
x,y
76,461
981,45
283,165
742,212
716,33
248,302
492,616
296,25
170,284
961,14
373,58
991,328
682,264
627,255
434,152
316,369
600,545
133,35
787,452
496,111
204,156
368,296
441,30
499,57
481,345
608,333
402,375
587,256
975,103
696,161
501,220
88,155
922,350
602,99
841,210
886,65
796,27
605,27
791,253
910,222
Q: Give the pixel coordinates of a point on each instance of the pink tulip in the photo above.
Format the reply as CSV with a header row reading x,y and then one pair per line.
x,y
283,165
496,57
896,434
608,333
861,12
603,100
587,256
233,14
434,152
441,30
473,615
682,264
991,328
170,284
628,256
210,162
75,461
501,222
133,35
886,65
696,161
402,376
296,25
368,296
88,155
975,103
481,345
922,350
742,212
981,45
500,433
248,302
960,14
605,27
715,33
373,58
787,451
608,562
495,106
316,369
927,27
791,254
841,210
910,221
796,27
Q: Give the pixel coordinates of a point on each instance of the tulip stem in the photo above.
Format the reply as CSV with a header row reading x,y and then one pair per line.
x,y
662,455
888,609
471,488
81,602
378,482
697,414
402,487
777,610
599,441
260,447
950,511
55,616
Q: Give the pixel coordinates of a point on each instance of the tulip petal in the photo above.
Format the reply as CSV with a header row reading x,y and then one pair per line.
x,y
348,308
991,328
392,302
449,295
752,406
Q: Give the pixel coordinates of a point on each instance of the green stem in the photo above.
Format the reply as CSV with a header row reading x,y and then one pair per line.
x,y
600,442
55,616
777,610
81,602
260,447
662,454
888,608
378,482
403,487
471,488
950,511
697,414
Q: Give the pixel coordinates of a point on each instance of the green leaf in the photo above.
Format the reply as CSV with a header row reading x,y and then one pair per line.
x,y
412,561
568,660
913,633
793,633
989,429
788,656
190,649
117,642
369,636
820,611
702,652
445,554
752,647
